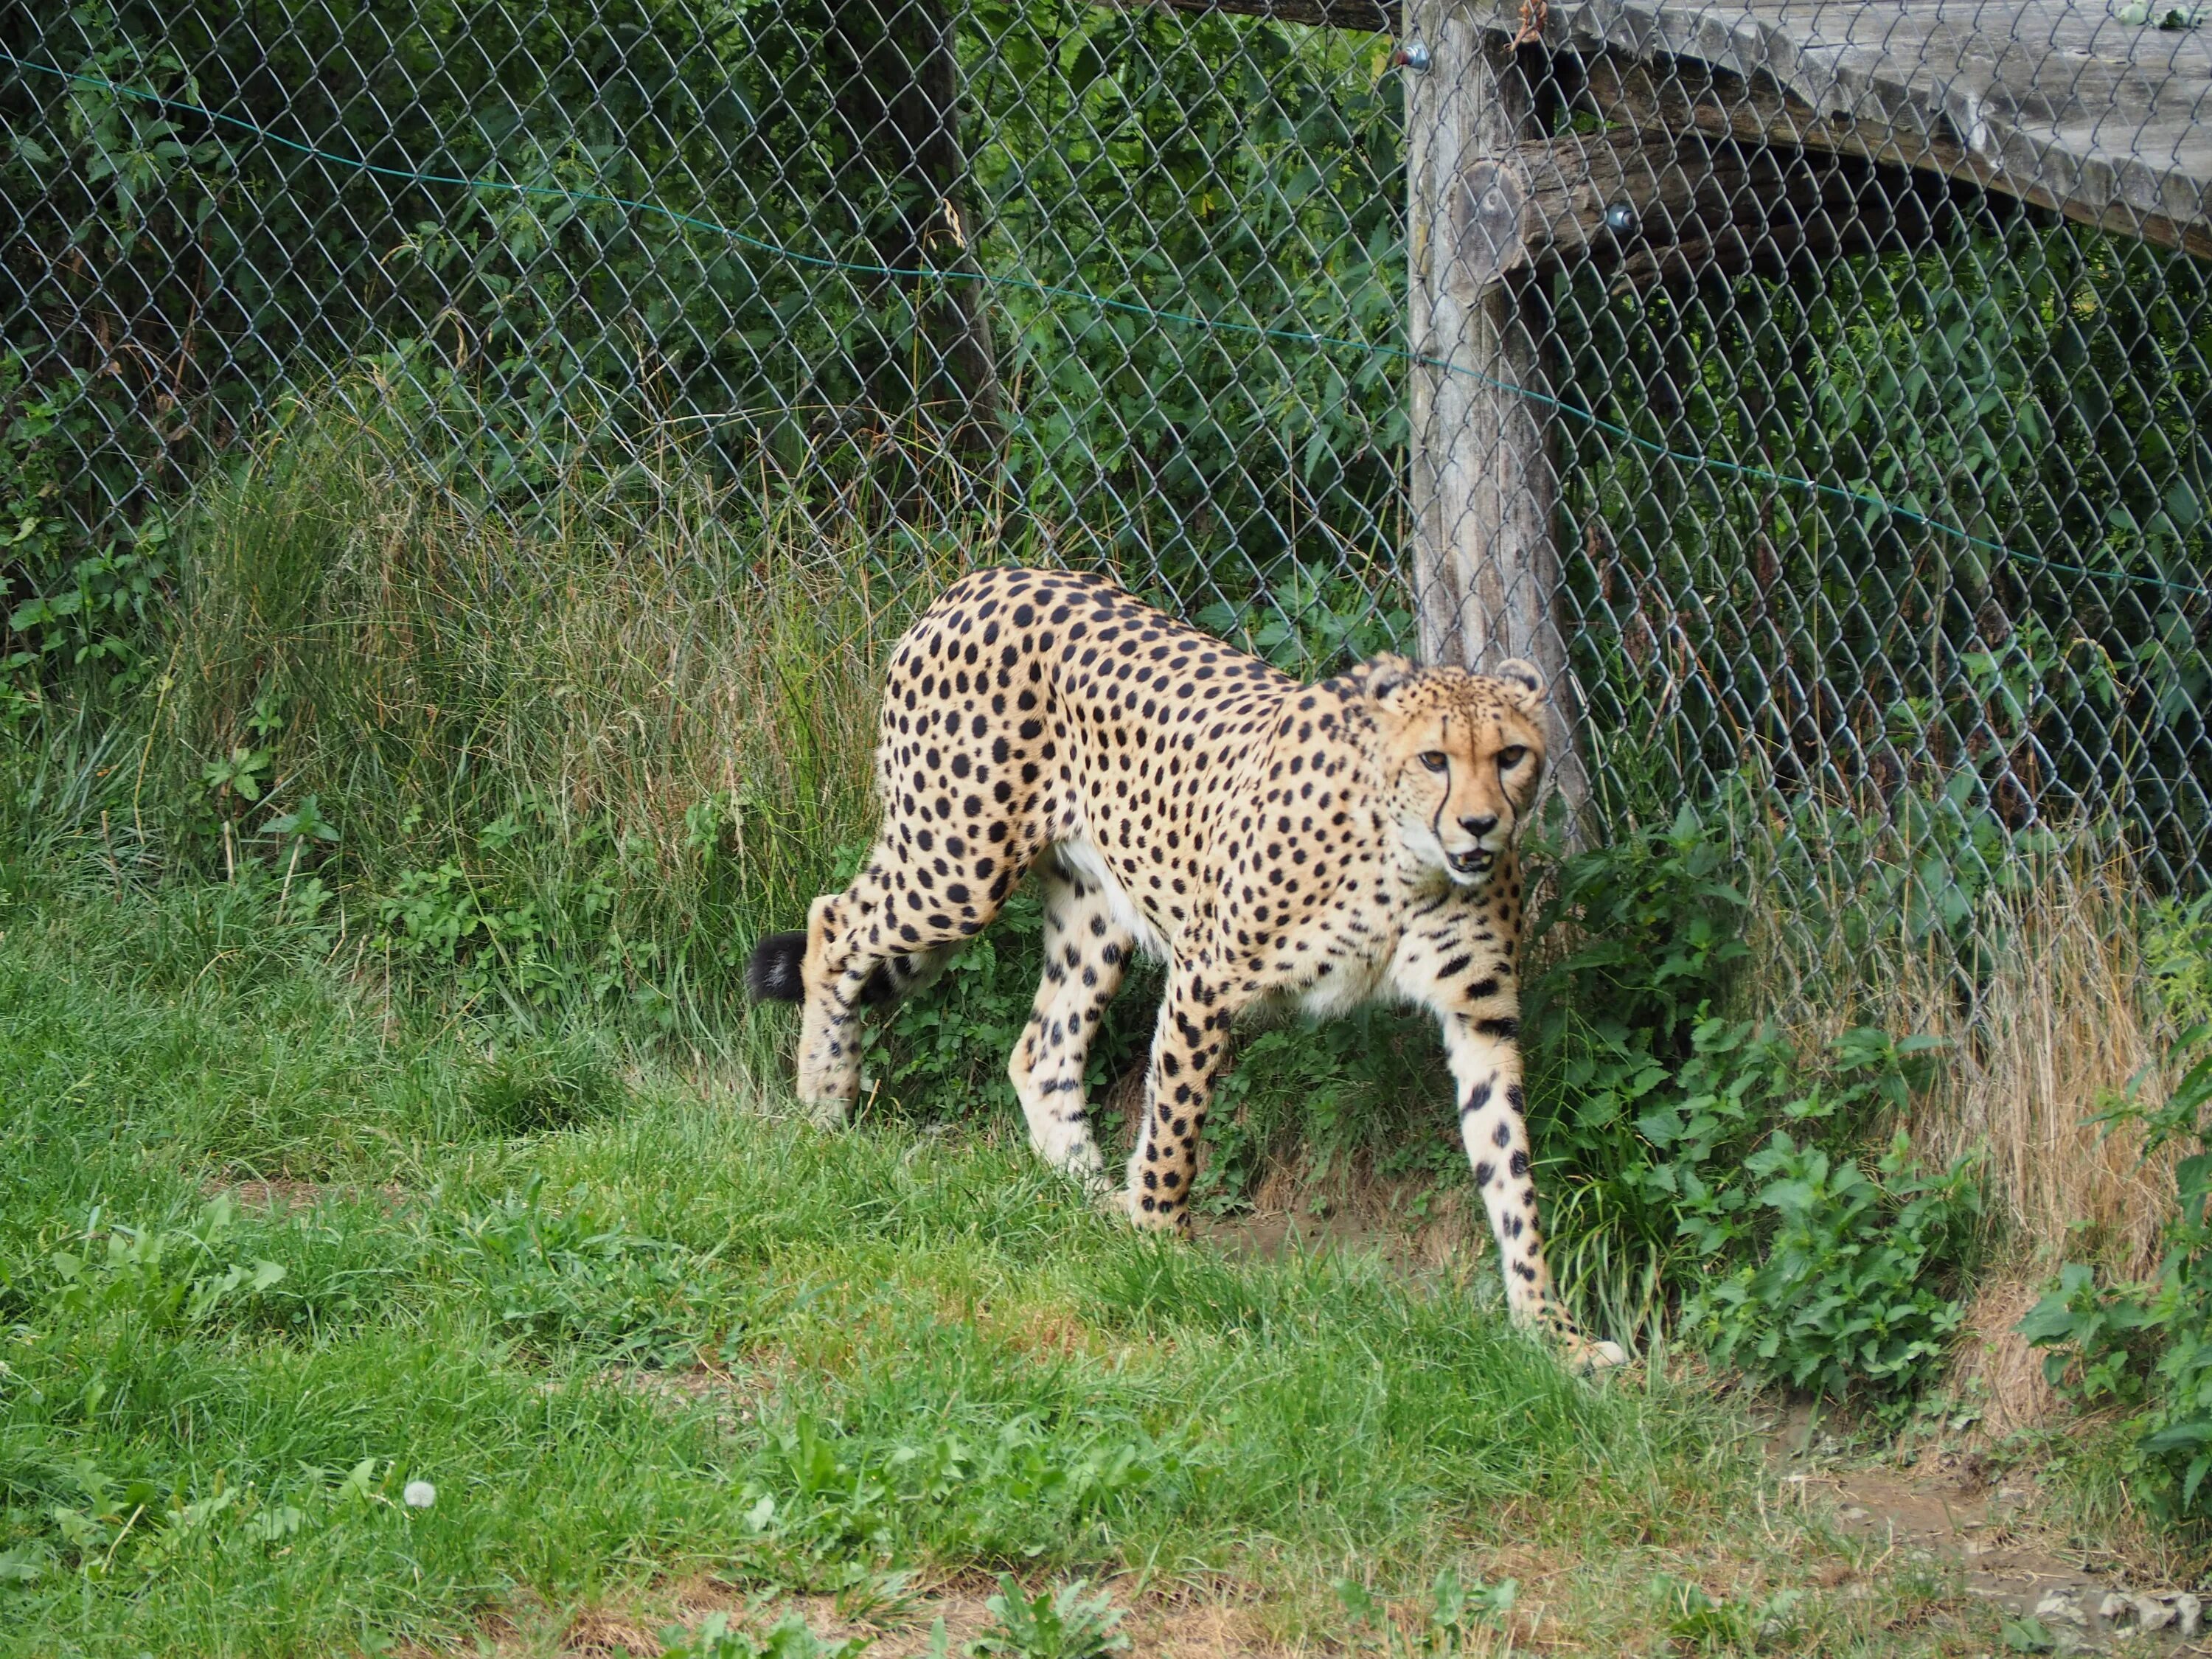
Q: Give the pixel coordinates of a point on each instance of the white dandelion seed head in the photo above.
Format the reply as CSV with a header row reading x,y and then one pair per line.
x,y
418,1494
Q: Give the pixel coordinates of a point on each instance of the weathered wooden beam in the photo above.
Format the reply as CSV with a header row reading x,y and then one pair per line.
x,y
1482,478
1652,204
2075,84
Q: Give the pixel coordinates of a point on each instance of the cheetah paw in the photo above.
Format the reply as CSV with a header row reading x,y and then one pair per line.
x,y
1113,1203
1590,1358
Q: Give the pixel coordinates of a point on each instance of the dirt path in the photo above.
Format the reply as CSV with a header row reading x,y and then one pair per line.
x,y
1944,1506
1947,1507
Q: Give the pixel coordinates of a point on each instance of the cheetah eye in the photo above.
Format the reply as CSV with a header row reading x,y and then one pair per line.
x,y
1434,760
1509,758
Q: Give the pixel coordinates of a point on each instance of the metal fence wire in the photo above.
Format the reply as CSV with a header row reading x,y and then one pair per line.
x,y
1817,389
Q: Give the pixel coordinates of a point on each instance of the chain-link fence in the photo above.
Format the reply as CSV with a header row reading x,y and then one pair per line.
x,y
1818,389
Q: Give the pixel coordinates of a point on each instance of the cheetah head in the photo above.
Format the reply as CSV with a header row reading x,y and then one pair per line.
x,y
1461,754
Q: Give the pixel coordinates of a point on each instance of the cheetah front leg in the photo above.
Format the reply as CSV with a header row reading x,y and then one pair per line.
x,y
1190,1046
1479,1009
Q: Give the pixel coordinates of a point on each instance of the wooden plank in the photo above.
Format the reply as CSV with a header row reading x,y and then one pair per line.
x,y
1682,96
1482,478
1653,205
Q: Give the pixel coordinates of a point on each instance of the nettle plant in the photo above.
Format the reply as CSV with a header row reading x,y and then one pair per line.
x,y
1716,1145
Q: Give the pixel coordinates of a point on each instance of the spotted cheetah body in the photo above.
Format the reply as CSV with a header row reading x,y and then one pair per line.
x,y
1269,841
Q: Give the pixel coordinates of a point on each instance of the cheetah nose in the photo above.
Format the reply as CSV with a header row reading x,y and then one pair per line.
x,y
1480,825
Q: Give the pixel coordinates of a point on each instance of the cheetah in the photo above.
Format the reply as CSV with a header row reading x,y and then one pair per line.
x,y
1323,846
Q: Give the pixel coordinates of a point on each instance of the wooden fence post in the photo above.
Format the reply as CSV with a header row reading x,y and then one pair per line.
x,y
1483,479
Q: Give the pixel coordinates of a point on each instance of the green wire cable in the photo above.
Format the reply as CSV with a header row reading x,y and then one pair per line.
x,y
1217,324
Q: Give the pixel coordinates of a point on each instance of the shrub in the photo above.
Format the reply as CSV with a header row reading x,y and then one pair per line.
x,y
1726,1156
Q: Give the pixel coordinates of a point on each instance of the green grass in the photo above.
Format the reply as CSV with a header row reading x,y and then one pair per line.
x,y
549,1240
638,1329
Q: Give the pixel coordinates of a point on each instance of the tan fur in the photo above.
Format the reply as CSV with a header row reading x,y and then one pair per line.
x,y
1328,845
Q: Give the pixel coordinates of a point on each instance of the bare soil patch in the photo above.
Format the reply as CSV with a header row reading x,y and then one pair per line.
x,y
1990,1531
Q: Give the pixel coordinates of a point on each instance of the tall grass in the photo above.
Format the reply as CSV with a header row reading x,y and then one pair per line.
x,y
2039,991
658,691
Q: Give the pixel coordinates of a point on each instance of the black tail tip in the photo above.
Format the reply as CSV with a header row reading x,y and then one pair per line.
x,y
772,973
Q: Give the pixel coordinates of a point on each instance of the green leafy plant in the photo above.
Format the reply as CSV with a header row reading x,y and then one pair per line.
x,y
522,920
1310,621
159,1277
1454,1618
831,1496
720,1636
577,1275
1732,1162
233,782
1851,1293
299,832
1068,1623
71,601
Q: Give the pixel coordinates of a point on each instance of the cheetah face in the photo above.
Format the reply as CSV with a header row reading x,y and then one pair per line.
x,y
1461,754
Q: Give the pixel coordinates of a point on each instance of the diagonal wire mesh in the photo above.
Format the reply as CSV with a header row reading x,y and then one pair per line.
x,y
1819,389
897,189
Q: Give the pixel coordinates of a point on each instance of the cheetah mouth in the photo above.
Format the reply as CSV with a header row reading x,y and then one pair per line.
x,y
1473,862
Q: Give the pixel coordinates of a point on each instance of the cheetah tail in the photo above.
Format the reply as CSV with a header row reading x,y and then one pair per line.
x,y
772,973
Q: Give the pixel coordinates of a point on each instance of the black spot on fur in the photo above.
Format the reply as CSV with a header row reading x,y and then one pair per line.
x,y
772,973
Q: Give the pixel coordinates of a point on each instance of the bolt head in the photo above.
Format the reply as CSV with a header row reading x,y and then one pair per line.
x,y
1620,219
1412,55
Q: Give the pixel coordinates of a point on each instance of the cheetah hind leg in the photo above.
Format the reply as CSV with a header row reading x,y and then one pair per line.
x,y
833,976
1085,954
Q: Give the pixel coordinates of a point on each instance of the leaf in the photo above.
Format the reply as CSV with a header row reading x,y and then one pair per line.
x,y
2180,1436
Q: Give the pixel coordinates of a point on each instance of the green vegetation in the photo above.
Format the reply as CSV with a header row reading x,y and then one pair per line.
x,y
274,1246
381,1110
408,717
549,781
2032,383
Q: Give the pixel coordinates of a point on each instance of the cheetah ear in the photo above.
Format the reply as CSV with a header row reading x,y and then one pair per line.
x,y
1388,674
1522,681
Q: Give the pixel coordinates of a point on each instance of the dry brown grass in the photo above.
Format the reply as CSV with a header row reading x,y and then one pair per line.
x,y
1994,1368
2068,1026
2062,1024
